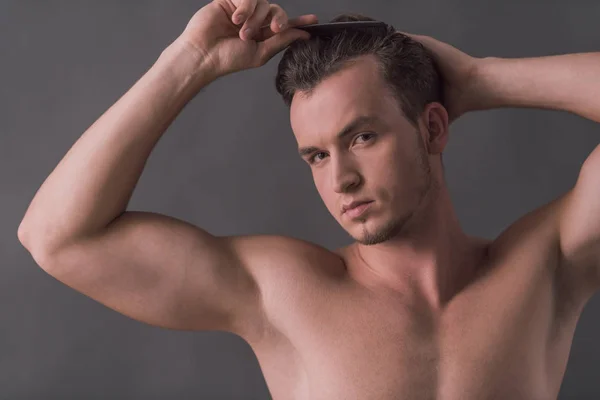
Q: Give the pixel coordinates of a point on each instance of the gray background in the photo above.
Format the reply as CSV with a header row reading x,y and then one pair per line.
x,y
228,164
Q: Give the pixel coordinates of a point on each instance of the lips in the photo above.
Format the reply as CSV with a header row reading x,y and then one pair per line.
x,y
358,210
354,204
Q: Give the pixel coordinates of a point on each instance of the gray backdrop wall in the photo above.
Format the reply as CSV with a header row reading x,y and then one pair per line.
x,y
229,165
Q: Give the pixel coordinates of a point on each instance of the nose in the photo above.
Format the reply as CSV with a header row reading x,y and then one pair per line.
x,y
344,177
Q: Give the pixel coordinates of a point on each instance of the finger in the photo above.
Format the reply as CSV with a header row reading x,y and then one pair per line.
x,y
252,25
426,40
268,48
407,34
279,17
306,19
243,11
275,22
267,32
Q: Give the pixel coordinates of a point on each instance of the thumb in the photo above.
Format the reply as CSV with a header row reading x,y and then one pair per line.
x,y
279,41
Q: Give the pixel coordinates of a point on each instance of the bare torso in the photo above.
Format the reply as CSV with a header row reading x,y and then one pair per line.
x,y
506,335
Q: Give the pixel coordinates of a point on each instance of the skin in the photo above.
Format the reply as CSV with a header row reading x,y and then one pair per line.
x,y
398,166
415,308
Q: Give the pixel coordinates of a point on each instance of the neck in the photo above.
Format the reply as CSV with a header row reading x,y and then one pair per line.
x,y
431,257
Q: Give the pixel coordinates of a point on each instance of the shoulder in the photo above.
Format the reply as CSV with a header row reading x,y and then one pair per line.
x,y
282,269
272,257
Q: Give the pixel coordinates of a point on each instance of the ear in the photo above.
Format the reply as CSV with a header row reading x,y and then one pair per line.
x,y
435,120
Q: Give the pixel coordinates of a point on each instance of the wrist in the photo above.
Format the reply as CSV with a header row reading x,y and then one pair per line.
x,y
487,84
189,63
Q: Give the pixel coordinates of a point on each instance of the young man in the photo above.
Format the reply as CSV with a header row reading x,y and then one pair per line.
x,y
415,308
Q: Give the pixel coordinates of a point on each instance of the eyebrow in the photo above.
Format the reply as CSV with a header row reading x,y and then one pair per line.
x,y
352,126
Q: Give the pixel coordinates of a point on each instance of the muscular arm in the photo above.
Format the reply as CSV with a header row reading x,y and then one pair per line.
x,y
93,183
565,82
150,267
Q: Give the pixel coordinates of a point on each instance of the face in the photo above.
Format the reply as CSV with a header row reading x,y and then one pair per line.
x,y
381,158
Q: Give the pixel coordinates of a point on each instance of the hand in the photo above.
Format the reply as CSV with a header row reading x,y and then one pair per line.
x,y
217,34
459,71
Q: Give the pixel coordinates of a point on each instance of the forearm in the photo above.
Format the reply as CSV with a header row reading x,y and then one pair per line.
x,y
569,82
93,183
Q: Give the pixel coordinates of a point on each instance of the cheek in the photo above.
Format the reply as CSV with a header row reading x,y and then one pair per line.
x,y
322,189
386,165
392,175
319,182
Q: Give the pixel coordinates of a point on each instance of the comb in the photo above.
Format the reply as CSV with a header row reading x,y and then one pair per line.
x,y
331,28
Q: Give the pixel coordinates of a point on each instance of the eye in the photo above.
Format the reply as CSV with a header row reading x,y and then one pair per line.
x,y
311,159
366,134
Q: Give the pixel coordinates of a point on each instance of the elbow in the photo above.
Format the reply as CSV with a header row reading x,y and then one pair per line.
x,y
38,252
22,234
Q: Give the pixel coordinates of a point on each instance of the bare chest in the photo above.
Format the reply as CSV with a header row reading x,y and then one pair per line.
x,y
497,339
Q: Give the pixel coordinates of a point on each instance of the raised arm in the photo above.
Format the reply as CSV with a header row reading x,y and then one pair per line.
x,y
93,183
152,267
567,82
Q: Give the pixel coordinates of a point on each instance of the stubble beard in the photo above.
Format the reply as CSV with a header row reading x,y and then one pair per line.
x,y
399,226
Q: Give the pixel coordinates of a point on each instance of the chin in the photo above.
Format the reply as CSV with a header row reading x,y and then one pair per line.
x,y
369,234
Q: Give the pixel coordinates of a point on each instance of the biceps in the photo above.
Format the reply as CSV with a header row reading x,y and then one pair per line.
x,y
157,270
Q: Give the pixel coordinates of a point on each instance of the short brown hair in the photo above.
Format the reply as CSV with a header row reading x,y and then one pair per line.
x,y
406,65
